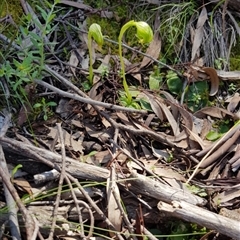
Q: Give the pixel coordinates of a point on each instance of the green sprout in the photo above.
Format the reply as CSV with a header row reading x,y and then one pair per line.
x,y
96,34
145,35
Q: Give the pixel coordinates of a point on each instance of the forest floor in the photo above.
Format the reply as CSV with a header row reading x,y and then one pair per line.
x,y
143,146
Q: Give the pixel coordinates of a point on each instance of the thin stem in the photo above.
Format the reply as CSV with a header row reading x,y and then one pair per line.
x,y
90,58
125,85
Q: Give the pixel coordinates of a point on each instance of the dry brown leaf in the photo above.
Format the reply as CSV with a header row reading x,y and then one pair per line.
x,y
71,141
73,61
206,127
103,134
160,153
199,33
213,79
24,185
171,99
123,118
213,112
235,160
195,137
224,198
94,95
99,158
153,50
187,116
220,151
233,102
159,107
167,172
106,123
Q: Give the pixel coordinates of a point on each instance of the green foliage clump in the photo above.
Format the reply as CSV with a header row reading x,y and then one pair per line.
x,y
20,69
235,57
174,19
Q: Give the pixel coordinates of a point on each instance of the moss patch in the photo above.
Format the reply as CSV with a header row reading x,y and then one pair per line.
x,y
235,57
12,8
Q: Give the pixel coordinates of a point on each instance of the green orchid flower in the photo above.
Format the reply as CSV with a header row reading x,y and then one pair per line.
x,y
96,34
144,32
145,35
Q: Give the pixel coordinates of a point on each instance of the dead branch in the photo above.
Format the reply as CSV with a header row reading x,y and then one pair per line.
x,y
202,217
139,184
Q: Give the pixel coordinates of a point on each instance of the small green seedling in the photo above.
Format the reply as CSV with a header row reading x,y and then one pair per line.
x,y
45,108
145,35
15,170
95,33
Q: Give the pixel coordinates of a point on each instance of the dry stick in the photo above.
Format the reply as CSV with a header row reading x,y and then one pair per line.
x,y
84,98
63,174
202,217
29,222
94,205
231,131
112,185
61,178
36,156
125,218
87,100
12,210
77,206
152,188
148,234
91,227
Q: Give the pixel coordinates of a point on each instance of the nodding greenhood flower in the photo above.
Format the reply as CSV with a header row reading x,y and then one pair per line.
x,y
144,32
145,35
96,33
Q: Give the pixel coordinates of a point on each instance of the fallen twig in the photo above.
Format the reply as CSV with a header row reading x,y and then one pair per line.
x,y
202,217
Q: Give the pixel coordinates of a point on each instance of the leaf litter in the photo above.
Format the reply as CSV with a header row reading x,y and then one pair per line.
x,y
135,152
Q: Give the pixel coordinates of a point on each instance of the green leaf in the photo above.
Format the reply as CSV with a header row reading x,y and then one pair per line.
x,y
86,86
2,72
51,17
212,136
52,104
43,12
37,105
145,104
197,95
35,37
174,83
154,81
45,117
92,153
15,170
